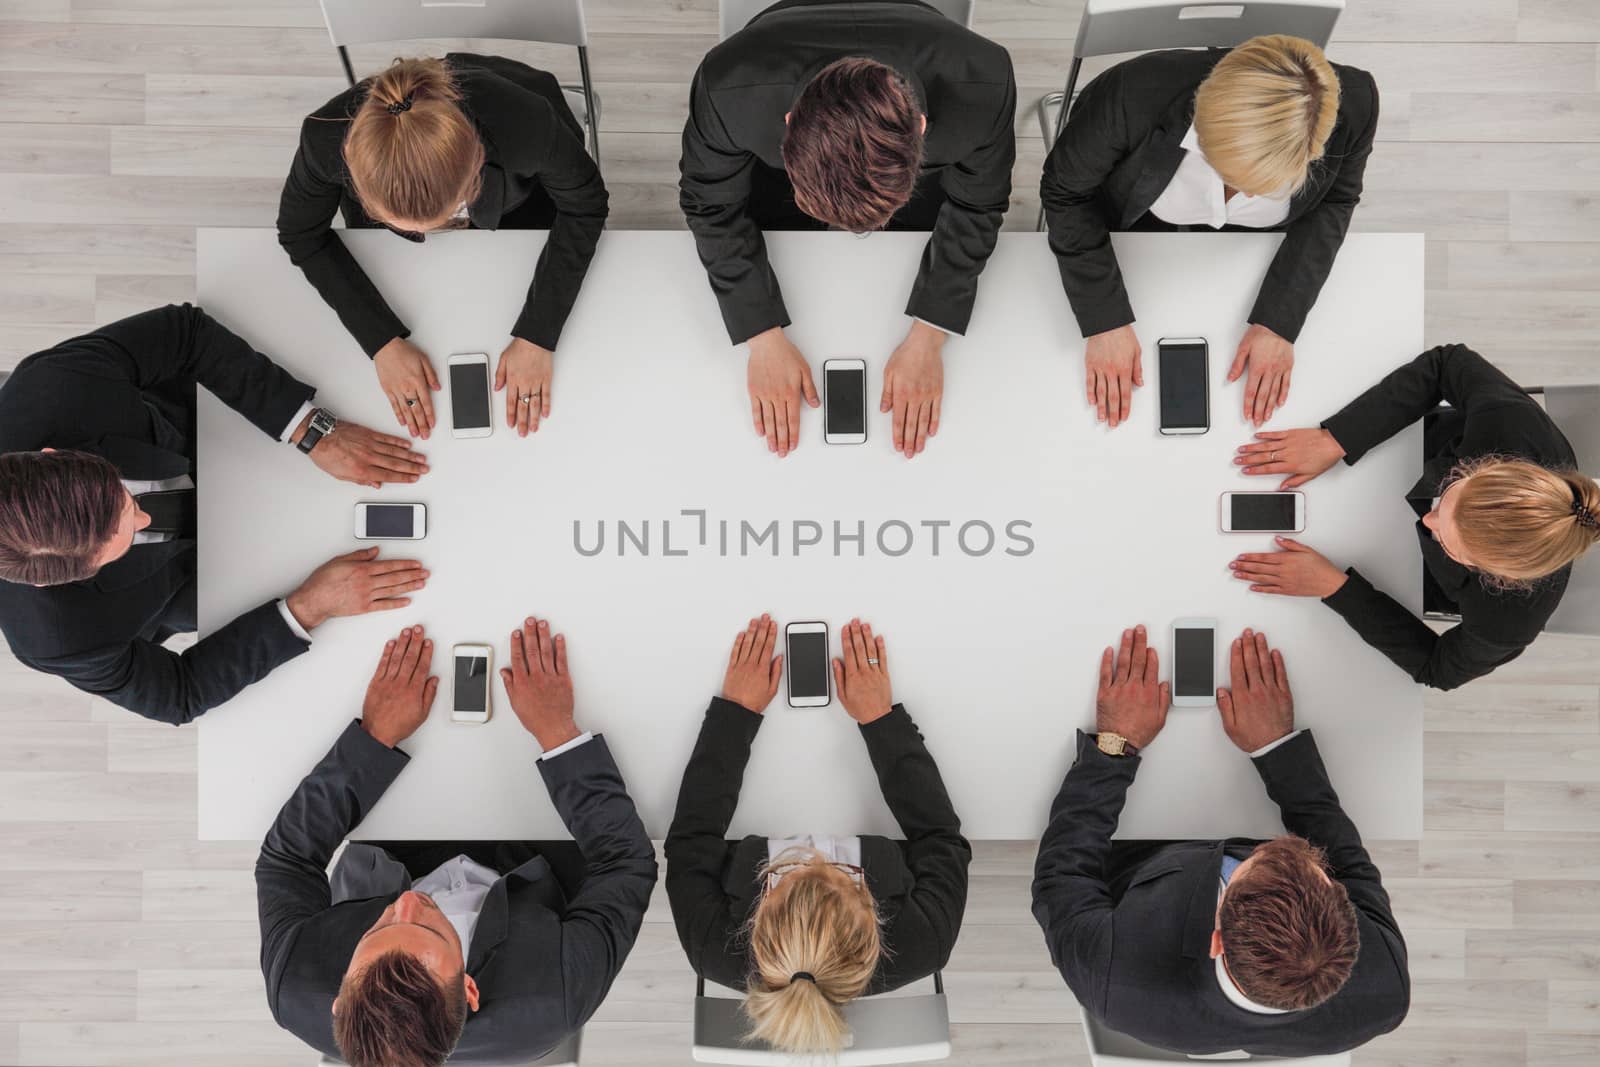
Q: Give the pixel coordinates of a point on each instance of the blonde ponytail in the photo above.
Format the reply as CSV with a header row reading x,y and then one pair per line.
x,y
815,945
1519,521
411,150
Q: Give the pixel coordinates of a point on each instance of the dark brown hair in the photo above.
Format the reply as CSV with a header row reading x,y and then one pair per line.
x,y
854,145
1289,936
394,1013
57,511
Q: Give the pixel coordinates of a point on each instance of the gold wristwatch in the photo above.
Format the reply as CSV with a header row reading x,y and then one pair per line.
x,y
1114,744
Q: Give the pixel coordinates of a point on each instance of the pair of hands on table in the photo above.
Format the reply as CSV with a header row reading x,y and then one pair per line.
x,y
913,387
1295,569
860,674
537,683
1113,369
408,380
1256,708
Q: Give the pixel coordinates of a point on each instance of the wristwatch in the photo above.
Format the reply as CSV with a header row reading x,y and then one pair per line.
x,y
322,424
1114,744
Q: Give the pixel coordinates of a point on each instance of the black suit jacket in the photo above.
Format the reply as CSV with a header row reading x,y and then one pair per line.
x,y
126,392
543,963
531,142
746,85
1134,945
1120,149
920,884
1489,414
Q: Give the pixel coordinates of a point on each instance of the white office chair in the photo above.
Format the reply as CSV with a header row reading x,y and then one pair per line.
x,y
1111,27
1107,1048
563,1055
734,15
543,21
883,1029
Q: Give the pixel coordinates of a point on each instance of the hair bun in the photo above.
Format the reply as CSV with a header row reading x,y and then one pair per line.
x,y
399,107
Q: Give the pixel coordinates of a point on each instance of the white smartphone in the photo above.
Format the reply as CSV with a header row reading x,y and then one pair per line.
x,y
391,522
806,660
469,395
1268,512
844,401
1194,663
1185,385
469,700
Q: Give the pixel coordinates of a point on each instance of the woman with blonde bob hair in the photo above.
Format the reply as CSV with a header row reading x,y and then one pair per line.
x,y
1267,136
1503,514
427,145
804,925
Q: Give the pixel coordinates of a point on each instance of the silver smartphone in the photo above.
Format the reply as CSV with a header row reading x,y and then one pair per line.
x,y
806,663
469,697
1185,386
391,522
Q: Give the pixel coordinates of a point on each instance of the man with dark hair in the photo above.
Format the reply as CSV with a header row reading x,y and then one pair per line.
x,y
97,513
859,115
482,951
1279,948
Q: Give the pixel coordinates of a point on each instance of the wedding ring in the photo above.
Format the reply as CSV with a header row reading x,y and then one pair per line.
x,y
410,402
873,662
527,397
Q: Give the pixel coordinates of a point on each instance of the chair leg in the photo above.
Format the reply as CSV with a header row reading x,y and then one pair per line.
x,y
590,105
349,71
1052,132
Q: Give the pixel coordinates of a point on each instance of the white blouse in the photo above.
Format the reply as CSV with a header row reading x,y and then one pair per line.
x,y
1196,197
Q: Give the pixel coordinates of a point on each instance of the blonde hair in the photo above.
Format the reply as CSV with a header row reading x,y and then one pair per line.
x,y
411,150
816,921
1264,114
1519,521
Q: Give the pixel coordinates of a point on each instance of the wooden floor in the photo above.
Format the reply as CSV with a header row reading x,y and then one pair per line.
x,y
124,124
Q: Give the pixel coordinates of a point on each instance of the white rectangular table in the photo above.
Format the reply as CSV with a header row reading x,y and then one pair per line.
x,y
994,654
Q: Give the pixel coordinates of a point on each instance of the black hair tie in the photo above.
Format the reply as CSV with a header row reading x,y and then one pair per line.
x,y
802,976
1586,518
400,106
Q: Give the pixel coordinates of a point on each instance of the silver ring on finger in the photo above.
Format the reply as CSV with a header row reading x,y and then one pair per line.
x,y
872,662
411,401
526,398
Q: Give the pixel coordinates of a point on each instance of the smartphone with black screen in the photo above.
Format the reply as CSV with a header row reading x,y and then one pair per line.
x,y
469,700
1185,387
1194,663
391,522
1263,512
806,660
844,383
469,395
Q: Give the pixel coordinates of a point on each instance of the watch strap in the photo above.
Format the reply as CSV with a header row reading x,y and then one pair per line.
x,y
322,423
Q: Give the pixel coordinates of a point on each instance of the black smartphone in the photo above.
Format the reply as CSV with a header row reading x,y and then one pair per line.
x,y
844,401
806,661
1184,385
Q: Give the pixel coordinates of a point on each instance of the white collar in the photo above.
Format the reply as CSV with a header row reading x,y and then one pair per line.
x,y
1234,994
1191,143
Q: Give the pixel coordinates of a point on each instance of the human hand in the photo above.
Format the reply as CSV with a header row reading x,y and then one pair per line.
x,y
1270,359
778,377
913,387
401,691
1258,709
753,671
527,369
1132,702
1301,454
1112,370
861,676
1293,570
538,684
408,381
353,453
354,584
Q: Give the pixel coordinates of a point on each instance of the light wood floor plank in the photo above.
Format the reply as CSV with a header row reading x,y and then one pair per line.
x,y
48,96
1539,903
50,148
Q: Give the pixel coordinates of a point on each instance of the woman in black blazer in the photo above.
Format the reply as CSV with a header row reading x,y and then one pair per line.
x,y
1503,513
437,144
1268,136
799,930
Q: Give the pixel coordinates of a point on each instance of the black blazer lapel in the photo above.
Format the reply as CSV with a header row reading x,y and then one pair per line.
x,y
1201,892
1162,154
494,918
365,871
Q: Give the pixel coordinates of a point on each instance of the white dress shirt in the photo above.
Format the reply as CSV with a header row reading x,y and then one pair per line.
x,y
459,887
1196,196
834,849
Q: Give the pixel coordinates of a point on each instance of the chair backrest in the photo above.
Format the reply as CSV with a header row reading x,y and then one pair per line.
x,y
546,21
883,1029
734,15
1575,409
1108,1048
563,1055
1109,27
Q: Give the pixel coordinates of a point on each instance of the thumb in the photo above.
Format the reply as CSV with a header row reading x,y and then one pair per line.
x,y
810,389
1291,545
430,689
1239,358
1165,697
500,374
887,402
838,677
1138,368
433,379
774,673
361,554
1290,483
1225,707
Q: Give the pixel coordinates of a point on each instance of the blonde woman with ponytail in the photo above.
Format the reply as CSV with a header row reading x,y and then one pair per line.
x,y
1502,512
1267,136
803,925
427,145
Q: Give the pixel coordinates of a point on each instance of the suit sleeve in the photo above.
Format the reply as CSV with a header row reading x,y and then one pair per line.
x,y
977,192
1309,247
1071,897
292,867
311,198
714,193
1297,782
602,920
1454,374
180,344
936,853
177,688
697,843
1096,138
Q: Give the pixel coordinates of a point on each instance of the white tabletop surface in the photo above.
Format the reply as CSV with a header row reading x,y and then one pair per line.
x,y
995,655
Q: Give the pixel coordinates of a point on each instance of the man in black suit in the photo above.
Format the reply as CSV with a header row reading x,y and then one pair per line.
x,y
478,951
861,115
97,513
1282,948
